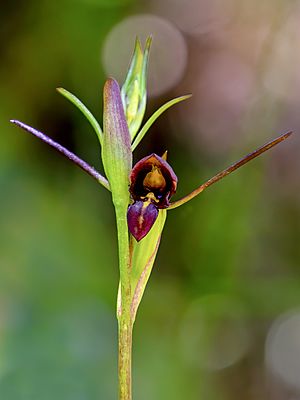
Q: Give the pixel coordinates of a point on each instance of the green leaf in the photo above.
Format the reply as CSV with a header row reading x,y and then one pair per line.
x,y
85,111
154,117
143,255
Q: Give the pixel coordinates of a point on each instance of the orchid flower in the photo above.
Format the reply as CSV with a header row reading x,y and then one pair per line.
x,y
141,194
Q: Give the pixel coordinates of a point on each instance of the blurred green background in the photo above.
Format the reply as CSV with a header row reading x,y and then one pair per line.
x,y
220,318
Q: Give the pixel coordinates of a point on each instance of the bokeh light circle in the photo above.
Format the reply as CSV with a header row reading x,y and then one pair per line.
x,y
282,351
282,79
168,53
222,93
107,3
196,16
214,333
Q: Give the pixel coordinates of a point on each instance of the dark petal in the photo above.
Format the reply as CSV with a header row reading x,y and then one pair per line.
x,y
141,217
140,171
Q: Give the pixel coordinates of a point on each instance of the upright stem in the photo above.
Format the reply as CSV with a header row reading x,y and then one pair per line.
x,y
124,314
125,346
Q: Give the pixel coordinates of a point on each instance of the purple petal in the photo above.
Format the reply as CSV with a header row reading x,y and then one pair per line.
x,y
141,217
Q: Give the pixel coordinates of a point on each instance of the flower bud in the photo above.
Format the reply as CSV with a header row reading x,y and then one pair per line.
x,y
134,91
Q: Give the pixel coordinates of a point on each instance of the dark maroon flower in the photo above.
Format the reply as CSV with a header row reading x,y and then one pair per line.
x,y
152,183
154,178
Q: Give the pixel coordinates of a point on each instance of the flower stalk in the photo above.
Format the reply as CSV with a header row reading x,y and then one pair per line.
x,y
125,328
141,195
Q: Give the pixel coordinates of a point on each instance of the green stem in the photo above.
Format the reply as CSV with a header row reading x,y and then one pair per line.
x,y
124,315
125,346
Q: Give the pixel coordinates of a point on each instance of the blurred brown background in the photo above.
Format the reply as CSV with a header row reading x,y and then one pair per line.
x,y
220,318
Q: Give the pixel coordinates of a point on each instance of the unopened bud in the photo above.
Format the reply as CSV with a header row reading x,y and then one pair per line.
x,y
134,90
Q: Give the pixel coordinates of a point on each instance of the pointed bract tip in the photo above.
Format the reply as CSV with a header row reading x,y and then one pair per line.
x,y
149,41
165,155
138,43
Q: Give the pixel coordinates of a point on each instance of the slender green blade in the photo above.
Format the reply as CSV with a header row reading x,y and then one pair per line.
x,y
85,111
154,117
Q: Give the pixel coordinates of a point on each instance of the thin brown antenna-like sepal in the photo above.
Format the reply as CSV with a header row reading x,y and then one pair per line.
x,y
230,169
71,156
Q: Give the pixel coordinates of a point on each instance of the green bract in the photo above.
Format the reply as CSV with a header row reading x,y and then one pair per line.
x,y
116,146
143,255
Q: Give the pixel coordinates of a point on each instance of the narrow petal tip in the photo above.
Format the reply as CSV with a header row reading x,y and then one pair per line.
x,y
287,134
